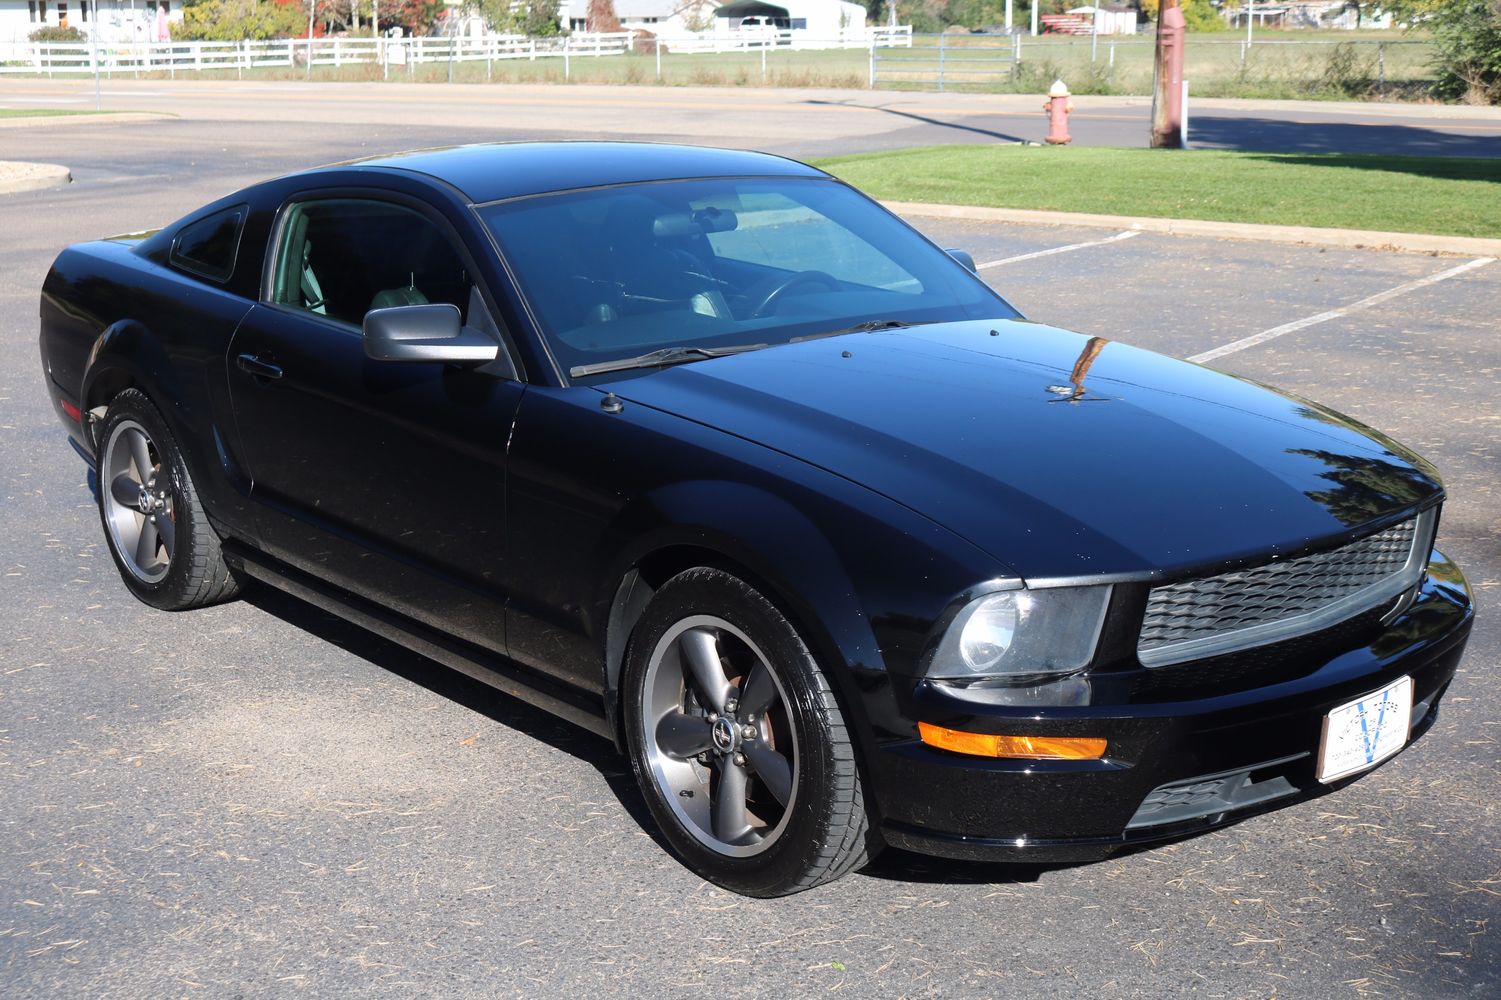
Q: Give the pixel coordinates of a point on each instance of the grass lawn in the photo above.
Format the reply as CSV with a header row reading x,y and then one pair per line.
x,y
47,112
1405,194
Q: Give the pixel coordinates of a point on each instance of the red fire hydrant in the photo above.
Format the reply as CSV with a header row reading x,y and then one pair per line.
x,y
1058,106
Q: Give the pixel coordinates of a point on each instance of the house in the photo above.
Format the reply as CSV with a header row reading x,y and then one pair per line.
x,y
660,17
820,19
1313,14
108,20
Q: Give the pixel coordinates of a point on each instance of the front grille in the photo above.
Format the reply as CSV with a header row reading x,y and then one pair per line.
x,y
1258,666
1244,608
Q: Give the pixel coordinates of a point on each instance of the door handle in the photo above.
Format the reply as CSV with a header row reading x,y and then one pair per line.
x,y
255,366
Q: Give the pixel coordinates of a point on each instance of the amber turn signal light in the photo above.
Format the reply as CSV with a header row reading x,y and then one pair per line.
x,y
1026,747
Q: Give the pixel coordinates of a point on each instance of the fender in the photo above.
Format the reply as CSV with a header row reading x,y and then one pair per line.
x,y
125,354
775,542
128,353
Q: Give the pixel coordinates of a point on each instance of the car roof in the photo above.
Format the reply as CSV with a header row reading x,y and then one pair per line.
x,y
495,171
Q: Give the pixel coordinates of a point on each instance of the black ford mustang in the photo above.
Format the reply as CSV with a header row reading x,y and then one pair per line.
x,y
707,452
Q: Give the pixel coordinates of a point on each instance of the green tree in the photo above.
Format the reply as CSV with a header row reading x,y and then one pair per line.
x,y
1468,33
238,20
533,18
1198,15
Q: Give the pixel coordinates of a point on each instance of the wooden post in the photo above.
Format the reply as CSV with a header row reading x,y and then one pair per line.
x,y
1167,84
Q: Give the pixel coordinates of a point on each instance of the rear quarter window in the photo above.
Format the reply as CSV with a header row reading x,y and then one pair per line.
x,y
208,247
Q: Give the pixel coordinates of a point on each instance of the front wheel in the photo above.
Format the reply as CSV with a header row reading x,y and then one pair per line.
x,y
166,550
738,742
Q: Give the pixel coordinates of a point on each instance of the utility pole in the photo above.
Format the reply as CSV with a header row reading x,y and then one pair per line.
x,y
94,55
1167,82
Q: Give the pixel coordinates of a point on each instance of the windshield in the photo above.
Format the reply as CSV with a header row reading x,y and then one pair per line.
x,y
619,272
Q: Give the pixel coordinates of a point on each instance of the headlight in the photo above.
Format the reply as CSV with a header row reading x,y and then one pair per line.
x,y
1021,637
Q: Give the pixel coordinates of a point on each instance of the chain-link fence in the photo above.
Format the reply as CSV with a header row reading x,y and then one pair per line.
x,y
1330,65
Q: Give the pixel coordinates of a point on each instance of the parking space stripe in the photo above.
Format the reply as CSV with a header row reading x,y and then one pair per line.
x,y
1048,253
1354,307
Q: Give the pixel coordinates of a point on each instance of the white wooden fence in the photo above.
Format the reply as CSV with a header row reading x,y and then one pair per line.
x,y
752,42
74,58
187,57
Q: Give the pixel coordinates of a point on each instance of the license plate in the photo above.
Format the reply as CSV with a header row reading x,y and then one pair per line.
x,y
1366,731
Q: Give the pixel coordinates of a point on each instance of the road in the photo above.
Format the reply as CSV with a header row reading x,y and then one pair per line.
x,y
257,800
798,122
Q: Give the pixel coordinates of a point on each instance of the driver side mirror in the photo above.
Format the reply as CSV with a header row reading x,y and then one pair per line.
x,y
964,257
425,333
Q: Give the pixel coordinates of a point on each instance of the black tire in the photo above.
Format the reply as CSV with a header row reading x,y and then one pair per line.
x,y
195,575
824,833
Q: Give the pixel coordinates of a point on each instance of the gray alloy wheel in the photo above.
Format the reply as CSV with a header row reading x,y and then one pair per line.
x,y
158,534
738,741
717,737
138,503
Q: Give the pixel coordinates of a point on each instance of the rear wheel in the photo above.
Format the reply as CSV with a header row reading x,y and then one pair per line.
x,y
166,551
737,741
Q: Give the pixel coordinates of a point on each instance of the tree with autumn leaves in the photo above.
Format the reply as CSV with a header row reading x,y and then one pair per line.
x,y
601,16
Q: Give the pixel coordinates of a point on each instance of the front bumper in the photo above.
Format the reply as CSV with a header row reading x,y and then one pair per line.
x,y
1171,767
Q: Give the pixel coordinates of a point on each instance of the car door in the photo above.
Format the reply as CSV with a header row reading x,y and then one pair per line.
x,y
385,478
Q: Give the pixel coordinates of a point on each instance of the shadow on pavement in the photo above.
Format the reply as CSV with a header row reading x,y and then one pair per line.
x,y
892,865
1267,135
960,126
462,690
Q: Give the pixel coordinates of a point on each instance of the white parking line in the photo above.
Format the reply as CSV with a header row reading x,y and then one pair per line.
x,y
1048,253
1354,307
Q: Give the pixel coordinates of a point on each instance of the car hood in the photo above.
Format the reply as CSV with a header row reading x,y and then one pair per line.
x,y
1058,454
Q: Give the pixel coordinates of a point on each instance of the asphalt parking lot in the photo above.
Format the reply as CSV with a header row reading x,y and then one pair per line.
x,y
258,800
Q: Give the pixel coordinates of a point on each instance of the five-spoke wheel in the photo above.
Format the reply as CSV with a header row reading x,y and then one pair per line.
x,y
167,551
717,735
137,497
738,741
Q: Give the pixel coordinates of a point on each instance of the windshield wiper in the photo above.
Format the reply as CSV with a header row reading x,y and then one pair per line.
x,y
657,358
866,327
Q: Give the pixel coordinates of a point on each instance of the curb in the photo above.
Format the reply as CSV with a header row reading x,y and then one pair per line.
x,y
16,177
100,118
1354,239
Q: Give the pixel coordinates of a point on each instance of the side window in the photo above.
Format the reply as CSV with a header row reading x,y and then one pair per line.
x,y
207,247
342,257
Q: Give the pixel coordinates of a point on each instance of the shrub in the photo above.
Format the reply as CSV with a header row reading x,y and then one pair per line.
x,y
1469,45
1467,34
1346,73
1198,15
53,33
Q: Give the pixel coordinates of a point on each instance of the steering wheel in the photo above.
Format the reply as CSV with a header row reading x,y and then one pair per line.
x,y
780,289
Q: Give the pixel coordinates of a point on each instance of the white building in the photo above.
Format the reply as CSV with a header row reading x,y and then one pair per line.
x,y
1313,14
112,20
670,17
1112,21
819,19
